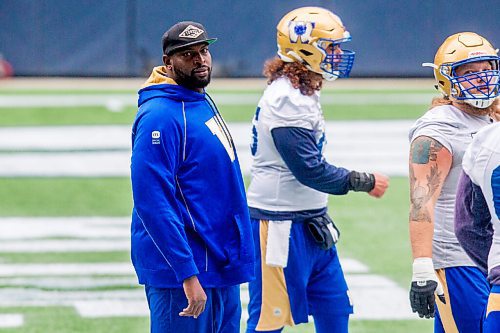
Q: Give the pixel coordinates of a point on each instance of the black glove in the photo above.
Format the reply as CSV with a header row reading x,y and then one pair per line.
x,y
323,230
423,287
422,298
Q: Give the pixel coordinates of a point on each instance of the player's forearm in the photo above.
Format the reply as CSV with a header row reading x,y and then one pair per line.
x,y
421,234
421,222
429,165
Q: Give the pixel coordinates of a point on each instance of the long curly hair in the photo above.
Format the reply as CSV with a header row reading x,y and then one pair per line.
x,y
301,78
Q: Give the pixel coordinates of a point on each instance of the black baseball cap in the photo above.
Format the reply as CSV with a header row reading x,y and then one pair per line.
x,y
183,34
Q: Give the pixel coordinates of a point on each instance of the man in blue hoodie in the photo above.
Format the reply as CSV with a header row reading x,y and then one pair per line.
x,y
192,243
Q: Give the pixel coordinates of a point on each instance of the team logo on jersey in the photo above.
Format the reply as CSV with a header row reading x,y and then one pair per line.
x,y
155,137
191,32
300,30
215,126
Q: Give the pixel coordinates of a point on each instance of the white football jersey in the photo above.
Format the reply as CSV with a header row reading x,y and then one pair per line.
x,y
273,186
454,129
482,164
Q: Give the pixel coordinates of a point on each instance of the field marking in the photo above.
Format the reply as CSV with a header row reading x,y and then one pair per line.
x,y
380,146
62,246
11,320
108,308
374,297
109,268
80,284
88,227
64,269
64,283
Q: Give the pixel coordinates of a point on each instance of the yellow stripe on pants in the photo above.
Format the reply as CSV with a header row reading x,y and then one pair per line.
x,y
445,312
275,309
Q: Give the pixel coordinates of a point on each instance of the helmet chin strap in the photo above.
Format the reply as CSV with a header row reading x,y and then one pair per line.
x,y
327,76
331,76
470,108
479,103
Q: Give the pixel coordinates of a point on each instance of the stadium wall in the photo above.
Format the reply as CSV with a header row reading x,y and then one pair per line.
x,y
120,38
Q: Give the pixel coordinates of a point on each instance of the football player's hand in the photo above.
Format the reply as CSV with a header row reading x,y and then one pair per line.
x,y
381,184
423,286
196,298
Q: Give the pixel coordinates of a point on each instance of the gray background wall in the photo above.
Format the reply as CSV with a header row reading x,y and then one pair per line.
x,y
122,37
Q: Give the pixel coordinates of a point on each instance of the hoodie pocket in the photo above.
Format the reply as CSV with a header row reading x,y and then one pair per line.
x,y
245,238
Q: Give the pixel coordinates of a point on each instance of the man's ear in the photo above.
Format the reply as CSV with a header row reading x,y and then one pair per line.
x,y
166,60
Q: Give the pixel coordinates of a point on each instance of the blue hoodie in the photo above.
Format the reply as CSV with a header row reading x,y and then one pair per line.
x,y
190,214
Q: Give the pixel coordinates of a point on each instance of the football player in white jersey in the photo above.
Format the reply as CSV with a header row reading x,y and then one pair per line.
x,y
477,214
299,272
466,73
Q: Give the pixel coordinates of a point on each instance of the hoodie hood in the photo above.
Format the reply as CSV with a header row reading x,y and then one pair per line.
x,y
159,85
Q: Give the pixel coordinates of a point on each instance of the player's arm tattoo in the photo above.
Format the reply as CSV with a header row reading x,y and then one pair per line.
x,y
424,151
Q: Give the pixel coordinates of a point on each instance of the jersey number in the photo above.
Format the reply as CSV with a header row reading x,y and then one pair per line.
x,y
255,137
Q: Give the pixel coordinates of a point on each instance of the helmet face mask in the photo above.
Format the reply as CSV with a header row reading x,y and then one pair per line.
x,y
479,86
478,89
335,65
312,36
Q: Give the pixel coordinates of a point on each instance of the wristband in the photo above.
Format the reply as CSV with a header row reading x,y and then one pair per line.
x,y
361,181
423,269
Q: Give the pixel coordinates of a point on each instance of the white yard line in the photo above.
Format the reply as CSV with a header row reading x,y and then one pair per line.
x,y
65,269
54,138
109,268
85,234
110,308
78,164
105,150
11,320
23,228
64,284
374,298
62,246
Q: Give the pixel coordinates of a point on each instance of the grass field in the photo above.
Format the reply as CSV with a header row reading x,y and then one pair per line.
x,y
374,232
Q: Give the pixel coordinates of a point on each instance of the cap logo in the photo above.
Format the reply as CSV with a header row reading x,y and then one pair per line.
x,y
191,32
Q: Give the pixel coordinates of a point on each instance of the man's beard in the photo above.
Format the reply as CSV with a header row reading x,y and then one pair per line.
x,y
191,81
466,107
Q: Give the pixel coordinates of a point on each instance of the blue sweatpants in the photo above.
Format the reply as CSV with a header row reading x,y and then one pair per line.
x,y
466,293
222,311
312,284
492,318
